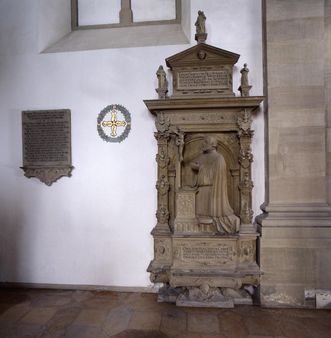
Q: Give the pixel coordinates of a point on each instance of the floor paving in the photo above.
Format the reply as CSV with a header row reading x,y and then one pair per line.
x,y
101,314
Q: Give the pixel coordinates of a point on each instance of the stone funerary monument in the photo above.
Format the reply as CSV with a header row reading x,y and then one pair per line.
x,y
204,239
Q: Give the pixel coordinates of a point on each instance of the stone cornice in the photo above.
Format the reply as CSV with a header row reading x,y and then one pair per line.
x,y
252,102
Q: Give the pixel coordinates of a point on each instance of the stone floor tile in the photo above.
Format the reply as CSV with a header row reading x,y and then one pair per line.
x,y
83,331
52,300
13,296
117,321
81,296
62,319
29,330
263,325
258,336
203,323
145,302
14,313
46,335
38,316
140,334
318,329
145,320
190,335
90,317
101,303
48,314
7,331
174,321
232,325
294,328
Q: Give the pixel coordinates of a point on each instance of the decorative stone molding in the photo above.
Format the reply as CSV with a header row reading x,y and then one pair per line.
x,y
47,175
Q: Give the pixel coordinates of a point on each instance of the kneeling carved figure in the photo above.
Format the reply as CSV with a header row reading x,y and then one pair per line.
x,y
210,179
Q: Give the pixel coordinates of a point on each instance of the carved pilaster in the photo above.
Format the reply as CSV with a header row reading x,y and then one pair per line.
x,y
245,135
162,185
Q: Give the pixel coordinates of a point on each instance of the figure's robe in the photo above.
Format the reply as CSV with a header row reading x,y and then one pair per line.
x,y
212,196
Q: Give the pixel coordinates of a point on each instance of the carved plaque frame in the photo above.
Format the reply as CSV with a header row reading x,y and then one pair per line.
x,y
46,143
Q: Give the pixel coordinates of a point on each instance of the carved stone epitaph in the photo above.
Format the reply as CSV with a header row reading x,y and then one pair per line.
x,y
46,136
204,238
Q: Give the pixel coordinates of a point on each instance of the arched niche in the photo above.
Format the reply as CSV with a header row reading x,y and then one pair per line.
x,y
228,146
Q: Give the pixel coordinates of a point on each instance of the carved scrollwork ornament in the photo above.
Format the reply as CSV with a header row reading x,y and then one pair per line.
x,y
246,185
246,215
47,175
244,123
162,159
245,158
162,123
162,185
162,215
247,249
162,138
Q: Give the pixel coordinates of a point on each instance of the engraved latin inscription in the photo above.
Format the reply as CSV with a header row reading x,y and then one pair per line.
x,y
46,137
211,79
205,253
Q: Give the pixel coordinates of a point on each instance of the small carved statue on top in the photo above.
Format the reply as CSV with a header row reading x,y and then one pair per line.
x,y
244,84
200,25
162,89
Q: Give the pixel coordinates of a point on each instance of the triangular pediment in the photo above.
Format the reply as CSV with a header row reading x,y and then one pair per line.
x,y
202,54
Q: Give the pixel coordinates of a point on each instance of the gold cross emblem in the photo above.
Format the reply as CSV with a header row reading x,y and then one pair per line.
x,y
113,123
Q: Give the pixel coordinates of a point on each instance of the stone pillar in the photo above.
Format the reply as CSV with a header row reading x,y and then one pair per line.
x,y
295,252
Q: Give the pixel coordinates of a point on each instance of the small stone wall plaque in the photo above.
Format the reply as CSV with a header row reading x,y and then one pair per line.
x,y
46,136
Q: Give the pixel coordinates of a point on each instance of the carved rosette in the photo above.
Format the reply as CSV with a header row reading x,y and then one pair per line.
x,y
162,249
245,135
47,175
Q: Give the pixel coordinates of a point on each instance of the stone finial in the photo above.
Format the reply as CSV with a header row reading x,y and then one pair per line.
x,y
162,88
244,87
200,25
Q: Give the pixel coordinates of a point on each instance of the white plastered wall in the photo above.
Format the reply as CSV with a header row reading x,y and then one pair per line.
x,y
94,228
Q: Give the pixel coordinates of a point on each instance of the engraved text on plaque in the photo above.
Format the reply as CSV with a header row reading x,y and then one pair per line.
x,y
212,79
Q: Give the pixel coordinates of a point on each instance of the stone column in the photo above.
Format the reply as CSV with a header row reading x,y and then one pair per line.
x,y
296,226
